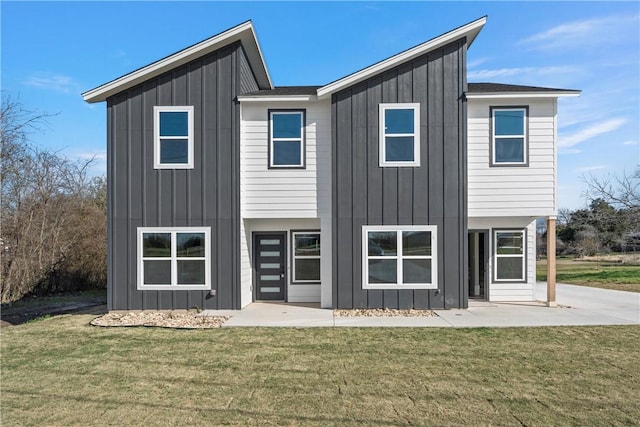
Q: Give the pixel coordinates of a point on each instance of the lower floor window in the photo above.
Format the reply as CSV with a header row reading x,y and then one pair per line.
x,y
174,258
399,257
509,256
306,256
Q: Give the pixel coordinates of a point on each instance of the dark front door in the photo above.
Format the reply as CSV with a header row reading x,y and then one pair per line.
x,y
270,266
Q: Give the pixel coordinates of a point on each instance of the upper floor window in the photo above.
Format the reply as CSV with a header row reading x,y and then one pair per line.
x,y
509,134
286,139
173,137
396,256
399,135
509,256
174,258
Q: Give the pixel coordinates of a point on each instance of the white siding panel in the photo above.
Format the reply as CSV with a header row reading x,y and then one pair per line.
x,y
512,191
283,193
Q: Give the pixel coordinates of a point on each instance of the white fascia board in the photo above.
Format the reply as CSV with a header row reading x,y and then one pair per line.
x,y
243,32
497,95
276,98
470,31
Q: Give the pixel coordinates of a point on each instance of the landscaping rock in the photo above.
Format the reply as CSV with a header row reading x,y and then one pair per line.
x,y
172,319
383,312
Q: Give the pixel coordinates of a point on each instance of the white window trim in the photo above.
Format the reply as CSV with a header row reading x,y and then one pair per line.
x,y
416,134
496,255
525,143
174,259
156,137
294,280
399,229
300,113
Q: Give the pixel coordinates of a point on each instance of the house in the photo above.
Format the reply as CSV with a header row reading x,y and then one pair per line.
x,y
400,185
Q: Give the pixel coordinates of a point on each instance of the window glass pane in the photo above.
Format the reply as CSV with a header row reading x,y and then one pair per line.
x,y
509,243
307,244
382,271
307,269
416,243
383,243
270,253
157,272
174,123
156,245
399,149
174,151
509,150
269,241
191,272
287,125
416,270
190,244
286,153
270,265
509,122
270,277
398,121
509,268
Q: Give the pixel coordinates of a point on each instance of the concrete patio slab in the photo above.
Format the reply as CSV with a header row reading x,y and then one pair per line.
x,y
577,305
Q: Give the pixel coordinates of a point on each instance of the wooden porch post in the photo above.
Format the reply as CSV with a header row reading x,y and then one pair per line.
x,y
551,262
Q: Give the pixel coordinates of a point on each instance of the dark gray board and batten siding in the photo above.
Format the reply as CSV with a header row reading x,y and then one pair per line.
x,y
207,195
432,194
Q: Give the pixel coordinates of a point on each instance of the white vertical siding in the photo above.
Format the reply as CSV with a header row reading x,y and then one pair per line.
x,y
510,291
282,193
512,191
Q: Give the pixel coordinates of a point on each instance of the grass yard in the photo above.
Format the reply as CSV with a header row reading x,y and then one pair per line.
x,y
606,274
59,371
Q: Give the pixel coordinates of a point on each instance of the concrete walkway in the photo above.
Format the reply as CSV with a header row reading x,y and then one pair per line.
x,y
577,305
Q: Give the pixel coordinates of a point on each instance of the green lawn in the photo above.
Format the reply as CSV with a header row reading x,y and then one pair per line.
x,y
604,274
60,371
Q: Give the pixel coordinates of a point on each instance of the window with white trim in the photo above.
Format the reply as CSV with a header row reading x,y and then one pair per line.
x,y
399,257
509,131
174,258
306,256
509,256
399,135
173,137
286,139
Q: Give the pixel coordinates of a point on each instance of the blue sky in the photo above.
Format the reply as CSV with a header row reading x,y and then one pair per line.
x,y
53,51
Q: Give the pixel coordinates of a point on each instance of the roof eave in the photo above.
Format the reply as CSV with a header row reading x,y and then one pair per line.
x,y
243,32
277,98
546,94
470,31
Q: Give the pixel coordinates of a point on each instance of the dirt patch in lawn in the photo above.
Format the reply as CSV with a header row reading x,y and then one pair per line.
x,y
171,319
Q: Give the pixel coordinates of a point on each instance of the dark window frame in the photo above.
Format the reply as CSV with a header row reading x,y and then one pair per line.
x,y
303,137
492,162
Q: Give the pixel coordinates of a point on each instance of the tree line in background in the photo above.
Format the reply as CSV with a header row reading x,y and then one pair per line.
x,y
610,223
53,216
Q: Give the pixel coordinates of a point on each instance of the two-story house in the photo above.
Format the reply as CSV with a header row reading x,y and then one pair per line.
x,y
400,185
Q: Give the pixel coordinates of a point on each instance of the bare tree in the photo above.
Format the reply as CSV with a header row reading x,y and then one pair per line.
x,y
620,191
52,220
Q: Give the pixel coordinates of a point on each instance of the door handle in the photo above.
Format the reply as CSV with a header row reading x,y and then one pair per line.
x,y
282,275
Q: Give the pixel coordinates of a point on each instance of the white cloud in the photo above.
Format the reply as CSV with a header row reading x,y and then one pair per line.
x,y
96,155
56,82
569,150
476,62
630,142
591,168
521,72
590,132
585,33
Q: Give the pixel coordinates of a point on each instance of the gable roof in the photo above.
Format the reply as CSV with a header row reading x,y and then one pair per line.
x,y
243,32
470,31
495,90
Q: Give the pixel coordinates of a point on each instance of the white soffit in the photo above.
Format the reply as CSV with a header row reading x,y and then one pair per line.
x,y
497,95
243,32
470,31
